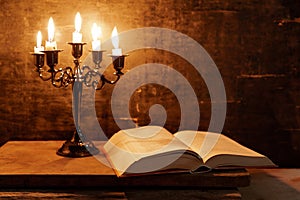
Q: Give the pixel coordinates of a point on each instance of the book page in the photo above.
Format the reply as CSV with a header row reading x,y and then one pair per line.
x,y
128,146
218,146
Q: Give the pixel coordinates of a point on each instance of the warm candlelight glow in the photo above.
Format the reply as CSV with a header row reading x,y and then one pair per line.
x,y
96,31
115,41
51,44
39,46
77,36
115,38
78,22
39,39
50,30
96,34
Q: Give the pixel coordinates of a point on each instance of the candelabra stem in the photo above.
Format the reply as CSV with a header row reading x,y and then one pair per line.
x,y
79,145
77,94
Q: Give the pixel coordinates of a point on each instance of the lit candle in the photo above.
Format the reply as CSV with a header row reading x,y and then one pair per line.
x,y
51,44
77,36
96,33
39,46
115,41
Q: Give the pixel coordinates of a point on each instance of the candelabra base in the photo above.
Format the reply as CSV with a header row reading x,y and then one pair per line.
x,y
76,148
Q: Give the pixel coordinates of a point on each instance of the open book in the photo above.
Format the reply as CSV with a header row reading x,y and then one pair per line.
x,y
153,149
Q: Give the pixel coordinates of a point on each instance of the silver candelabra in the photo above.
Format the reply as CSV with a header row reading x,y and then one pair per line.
x,y
79,145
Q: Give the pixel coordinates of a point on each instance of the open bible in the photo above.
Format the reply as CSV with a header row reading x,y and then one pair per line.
x,y
153,149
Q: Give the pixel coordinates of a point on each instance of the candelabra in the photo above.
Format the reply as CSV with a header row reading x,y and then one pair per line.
x,y
79,145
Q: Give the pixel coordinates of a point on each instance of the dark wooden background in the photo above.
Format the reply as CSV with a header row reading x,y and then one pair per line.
x,y
258,60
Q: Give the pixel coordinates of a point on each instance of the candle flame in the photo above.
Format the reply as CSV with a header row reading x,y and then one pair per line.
x,y
115,38
96,31
77,22
39,39
50,30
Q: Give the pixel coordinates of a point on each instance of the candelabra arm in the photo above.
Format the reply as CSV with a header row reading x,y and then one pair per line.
x,y
40,71
89,76
59,77
62,77
105,80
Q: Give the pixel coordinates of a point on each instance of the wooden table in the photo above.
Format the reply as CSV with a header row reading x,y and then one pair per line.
x,y
32,169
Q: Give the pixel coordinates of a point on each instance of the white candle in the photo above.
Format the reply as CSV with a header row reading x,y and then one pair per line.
x,y
77,36
96,33
39,46
51,44
115,41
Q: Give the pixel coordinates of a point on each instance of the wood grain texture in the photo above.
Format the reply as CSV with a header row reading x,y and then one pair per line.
x,y
228,194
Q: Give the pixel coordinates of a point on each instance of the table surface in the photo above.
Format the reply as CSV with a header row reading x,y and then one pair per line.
x,y
27,163
39,157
